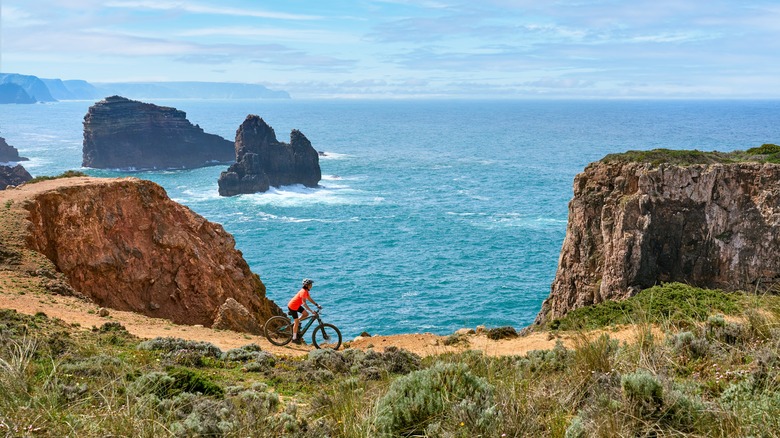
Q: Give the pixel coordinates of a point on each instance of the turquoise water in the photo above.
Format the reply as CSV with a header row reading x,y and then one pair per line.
x,y
432,215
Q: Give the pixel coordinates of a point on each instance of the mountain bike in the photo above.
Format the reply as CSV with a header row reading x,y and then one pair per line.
x,y
279,330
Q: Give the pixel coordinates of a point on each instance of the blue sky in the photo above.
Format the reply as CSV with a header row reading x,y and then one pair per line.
x,y
406,48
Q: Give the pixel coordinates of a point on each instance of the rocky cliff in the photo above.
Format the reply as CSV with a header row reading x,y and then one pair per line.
x,y
124,244
13,176
633,224
9,153
125,134
262,161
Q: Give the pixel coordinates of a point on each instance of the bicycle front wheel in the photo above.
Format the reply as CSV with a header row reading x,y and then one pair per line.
x,y
278,330
326,336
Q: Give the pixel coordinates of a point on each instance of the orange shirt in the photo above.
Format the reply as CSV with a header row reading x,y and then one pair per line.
x,y
297,301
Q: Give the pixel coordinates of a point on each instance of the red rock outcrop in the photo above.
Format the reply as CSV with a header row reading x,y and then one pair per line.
x,y
126,245
120,133
633,225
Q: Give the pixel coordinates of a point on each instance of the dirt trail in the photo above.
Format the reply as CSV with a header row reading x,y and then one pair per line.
x,y
85,314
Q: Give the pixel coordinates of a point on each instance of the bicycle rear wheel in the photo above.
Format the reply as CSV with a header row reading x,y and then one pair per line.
x,y
326,336
278,330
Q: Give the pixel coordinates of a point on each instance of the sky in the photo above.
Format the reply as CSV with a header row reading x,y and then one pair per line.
x,y
408,48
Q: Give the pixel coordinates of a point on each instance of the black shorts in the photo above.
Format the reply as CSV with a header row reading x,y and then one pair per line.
x,y
294,313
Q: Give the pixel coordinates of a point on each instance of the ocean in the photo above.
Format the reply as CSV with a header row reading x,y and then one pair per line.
x,y
431,215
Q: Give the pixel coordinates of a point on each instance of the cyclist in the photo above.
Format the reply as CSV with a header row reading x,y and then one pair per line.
x,y
298,305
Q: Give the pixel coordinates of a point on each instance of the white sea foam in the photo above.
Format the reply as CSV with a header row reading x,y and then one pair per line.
x,y
299,195
334,156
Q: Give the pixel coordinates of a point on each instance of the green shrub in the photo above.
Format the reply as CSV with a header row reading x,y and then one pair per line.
x,y
66,174
643,392
501,333
543,361
765,149
670,301
371,363
190,381
327,359
156,383
445,393
576,429
173,383
93,366
172,345
688,345
757,411
243,354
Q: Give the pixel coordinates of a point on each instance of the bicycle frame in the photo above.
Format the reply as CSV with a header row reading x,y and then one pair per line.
x,y
309,321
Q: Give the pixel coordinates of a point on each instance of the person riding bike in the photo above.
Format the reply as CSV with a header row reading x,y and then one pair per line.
x,y
298,305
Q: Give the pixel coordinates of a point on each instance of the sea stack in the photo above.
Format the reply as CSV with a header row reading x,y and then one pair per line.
x,y
9,153
13,176
120,133
637,220
262,161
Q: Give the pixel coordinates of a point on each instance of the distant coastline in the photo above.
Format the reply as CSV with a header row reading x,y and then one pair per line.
x,y
26,89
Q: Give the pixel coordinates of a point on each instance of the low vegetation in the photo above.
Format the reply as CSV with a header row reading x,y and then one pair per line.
x,y
66,174
766,153
703,363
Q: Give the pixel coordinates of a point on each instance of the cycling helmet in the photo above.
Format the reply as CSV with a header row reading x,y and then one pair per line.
x,y
307,282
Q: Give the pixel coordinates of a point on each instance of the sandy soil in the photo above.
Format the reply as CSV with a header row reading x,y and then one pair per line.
x,y
85,315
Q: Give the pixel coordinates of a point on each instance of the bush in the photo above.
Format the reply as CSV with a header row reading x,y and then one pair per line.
x,y
66,174
181,351
542,361
501,333
243,354
576,429
765,149
670,301
688,345
173,383
93,366
643,392
447,394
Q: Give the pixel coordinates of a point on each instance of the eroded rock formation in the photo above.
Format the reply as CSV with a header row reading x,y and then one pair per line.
x,y
120,133
262,161
633,225
126,245
13,176
9,153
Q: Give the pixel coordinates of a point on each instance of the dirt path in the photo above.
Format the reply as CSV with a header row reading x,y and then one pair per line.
x,y
85,314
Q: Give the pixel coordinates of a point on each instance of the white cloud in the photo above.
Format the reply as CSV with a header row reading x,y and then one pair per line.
x,y
14,17
209,10
303,35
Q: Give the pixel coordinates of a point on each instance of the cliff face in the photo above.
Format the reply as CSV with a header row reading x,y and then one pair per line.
x,y
262,161
632,225
125,134
124,244
9,153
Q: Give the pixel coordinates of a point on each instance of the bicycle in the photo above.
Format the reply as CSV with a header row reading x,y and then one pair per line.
x,y
279,330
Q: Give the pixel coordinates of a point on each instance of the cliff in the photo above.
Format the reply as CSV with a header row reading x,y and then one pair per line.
x,y
120,133
262,161
709,220
9,153
31,85
13,93
125,245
